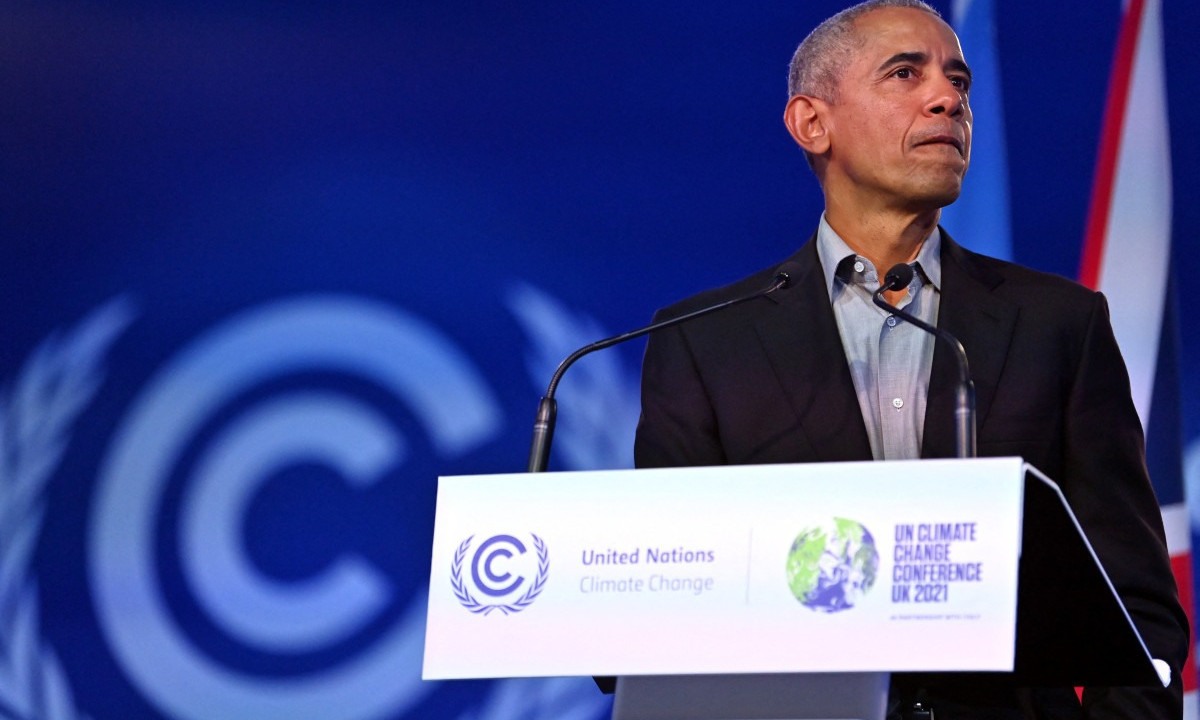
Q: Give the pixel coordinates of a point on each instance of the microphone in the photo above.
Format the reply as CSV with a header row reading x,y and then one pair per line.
x,y
547,412
898,278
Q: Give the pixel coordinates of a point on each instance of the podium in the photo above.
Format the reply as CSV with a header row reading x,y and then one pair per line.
x,y
779,592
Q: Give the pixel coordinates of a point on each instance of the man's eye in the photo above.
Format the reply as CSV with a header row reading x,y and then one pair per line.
x,y
904,73
961,83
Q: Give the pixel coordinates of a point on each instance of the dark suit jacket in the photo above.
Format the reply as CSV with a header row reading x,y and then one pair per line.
x,y
767,382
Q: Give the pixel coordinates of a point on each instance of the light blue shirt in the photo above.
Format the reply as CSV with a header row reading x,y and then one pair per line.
x,y
889,359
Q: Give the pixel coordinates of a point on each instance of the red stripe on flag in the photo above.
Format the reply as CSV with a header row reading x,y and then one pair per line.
x,y
1181,566
1110,146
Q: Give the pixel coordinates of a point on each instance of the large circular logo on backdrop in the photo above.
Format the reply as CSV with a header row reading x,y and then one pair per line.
x,y
228,467
829,568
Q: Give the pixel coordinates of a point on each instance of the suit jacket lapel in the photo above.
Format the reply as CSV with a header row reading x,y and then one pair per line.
x,y
800,337
983,323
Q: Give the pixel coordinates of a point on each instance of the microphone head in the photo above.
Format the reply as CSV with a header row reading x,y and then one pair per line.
x,y
787,273
898,277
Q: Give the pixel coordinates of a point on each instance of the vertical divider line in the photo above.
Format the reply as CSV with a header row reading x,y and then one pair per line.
x,y
749,557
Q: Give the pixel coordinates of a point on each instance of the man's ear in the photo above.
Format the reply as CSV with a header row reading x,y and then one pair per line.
x,y
806,120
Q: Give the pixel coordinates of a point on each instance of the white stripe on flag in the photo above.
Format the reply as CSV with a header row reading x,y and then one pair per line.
x,y
1176,524
1137,247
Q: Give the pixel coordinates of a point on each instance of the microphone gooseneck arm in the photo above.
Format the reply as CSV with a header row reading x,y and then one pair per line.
x,y
547,412
898,278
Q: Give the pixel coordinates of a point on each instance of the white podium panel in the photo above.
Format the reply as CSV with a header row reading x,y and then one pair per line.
x,y
840,567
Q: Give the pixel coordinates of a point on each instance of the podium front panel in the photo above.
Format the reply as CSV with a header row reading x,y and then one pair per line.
x,y
841,567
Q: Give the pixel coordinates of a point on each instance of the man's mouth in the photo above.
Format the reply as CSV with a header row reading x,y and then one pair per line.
x,y
943,140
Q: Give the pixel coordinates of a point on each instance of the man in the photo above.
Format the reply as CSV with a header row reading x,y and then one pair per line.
x,y
816,373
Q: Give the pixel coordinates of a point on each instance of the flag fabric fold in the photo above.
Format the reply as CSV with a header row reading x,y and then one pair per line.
x,y
1127,256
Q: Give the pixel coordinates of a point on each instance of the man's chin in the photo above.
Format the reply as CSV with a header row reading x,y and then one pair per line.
x,y
941,194
933,199
948,199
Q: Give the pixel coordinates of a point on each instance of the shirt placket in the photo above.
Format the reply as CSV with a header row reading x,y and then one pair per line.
x,y
895,383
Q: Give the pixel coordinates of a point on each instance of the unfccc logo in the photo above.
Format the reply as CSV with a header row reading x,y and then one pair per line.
x,y
185,470
493,574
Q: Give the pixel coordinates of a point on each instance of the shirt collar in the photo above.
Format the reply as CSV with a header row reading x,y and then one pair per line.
x,y
929,259
833,251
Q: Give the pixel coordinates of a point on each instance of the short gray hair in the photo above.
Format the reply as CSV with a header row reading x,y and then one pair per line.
x,y
815,67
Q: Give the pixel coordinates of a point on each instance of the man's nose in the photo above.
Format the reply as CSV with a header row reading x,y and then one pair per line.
x,y
945,98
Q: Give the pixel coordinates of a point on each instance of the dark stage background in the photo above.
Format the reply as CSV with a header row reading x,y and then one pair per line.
x,y
270,268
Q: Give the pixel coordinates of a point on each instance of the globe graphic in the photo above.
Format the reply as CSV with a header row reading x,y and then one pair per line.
x,y
830,568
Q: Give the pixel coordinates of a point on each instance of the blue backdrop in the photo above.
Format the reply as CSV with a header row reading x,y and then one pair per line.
x,y
271,268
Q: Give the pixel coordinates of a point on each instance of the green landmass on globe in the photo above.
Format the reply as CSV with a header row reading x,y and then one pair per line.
x,y
830,568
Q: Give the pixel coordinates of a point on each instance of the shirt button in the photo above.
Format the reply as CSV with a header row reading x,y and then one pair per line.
x,y
897,403
891,321
858,266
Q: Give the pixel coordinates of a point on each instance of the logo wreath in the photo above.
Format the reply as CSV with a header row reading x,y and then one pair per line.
x,y
463,593
36,414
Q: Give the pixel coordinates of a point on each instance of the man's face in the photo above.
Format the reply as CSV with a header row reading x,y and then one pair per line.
x,y
900,130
